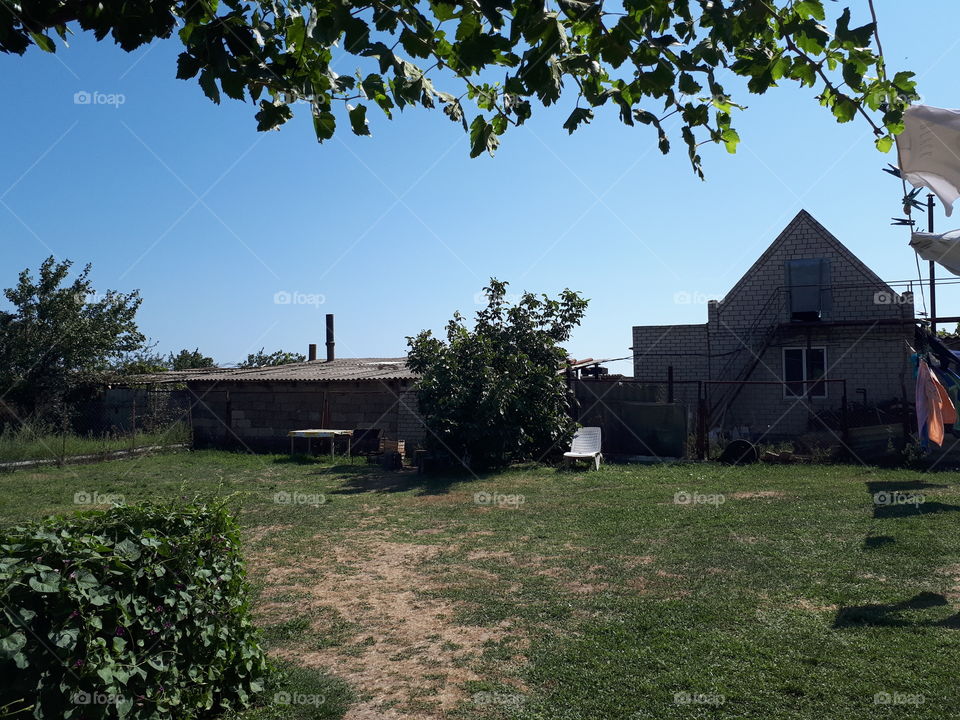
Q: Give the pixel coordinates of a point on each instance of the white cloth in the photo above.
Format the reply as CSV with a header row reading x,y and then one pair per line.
x,y
943,249
930,151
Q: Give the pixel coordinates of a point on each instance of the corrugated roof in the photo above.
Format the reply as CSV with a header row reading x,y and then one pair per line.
x,y
341,369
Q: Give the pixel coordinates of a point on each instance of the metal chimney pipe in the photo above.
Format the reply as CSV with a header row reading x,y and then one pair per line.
x,y
330,343
312,351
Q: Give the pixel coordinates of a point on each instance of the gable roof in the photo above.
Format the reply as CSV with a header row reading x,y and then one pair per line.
x,y
339,370
803,218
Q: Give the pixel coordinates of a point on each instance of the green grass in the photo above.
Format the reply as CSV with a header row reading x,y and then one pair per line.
x,y
596,597
30,444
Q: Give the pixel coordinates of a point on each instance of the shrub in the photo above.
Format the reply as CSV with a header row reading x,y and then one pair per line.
x,y
132,612
496,395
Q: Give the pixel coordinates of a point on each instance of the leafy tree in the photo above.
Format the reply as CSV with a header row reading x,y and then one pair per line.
x,y
494,395
262,359
60,335
188,360
655,62
142,361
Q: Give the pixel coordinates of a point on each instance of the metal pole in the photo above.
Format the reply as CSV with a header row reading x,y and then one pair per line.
x,y
933,270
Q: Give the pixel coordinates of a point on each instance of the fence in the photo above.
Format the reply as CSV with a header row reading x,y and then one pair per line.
x,y
117,419
673,418
634,418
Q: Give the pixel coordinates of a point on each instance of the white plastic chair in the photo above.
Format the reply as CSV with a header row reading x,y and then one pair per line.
x,y
585,446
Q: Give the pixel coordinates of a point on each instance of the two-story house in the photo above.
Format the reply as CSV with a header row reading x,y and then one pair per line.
x,y
808,310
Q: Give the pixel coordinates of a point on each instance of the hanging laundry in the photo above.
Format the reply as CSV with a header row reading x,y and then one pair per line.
x,y
942,248
934,407
930,151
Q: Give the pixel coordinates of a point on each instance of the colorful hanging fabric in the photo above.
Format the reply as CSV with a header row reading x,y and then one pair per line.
x,y
934,407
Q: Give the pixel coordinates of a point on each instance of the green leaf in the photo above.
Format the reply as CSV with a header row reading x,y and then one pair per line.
x,y
128,549
187,66
272,115
579,115
208,84
324,124
67,639
43,42
49,582
730,139
855,38
13,643
358,120
443,11
885,143
687,85
482,137
810,9
844,108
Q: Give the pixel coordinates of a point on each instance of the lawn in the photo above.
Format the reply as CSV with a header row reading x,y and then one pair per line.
x,y
772,592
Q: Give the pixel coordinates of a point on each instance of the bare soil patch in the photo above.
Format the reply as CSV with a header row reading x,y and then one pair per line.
x,y
409,658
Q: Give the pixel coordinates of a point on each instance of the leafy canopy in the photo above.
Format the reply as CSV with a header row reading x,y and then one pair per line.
x,y
262,359
661,63
189,359
494,395
59,335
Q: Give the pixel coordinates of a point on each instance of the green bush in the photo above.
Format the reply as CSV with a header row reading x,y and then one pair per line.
x,y
133,612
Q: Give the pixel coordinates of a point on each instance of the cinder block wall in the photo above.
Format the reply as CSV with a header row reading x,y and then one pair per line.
x,y
872,359
684,347
259,415
870,356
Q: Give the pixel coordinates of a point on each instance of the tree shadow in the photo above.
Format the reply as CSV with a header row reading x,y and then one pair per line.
x,y
891,614
376,480
876,486
911,509
877,541
900,498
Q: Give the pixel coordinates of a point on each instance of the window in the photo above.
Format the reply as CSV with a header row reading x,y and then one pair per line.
x,y
808,289
802,369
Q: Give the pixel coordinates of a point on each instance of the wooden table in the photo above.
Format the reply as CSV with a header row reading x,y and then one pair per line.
x,y
331,434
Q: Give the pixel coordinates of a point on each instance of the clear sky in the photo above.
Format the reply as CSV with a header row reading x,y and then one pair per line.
x,y
169,194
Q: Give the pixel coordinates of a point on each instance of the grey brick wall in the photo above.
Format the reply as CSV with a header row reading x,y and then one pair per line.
x,y
870,355
259,415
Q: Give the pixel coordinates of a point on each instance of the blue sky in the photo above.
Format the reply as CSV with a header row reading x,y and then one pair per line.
x,y
185,201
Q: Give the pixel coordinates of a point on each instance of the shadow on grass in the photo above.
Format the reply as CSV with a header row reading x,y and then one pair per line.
x,y
307,459
877,486
891,614
375,480
877,541
911,509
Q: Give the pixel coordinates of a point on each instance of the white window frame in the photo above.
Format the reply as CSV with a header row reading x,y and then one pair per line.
x,y
807,382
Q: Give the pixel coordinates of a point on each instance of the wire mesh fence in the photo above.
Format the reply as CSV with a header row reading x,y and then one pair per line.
x,y
117,419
